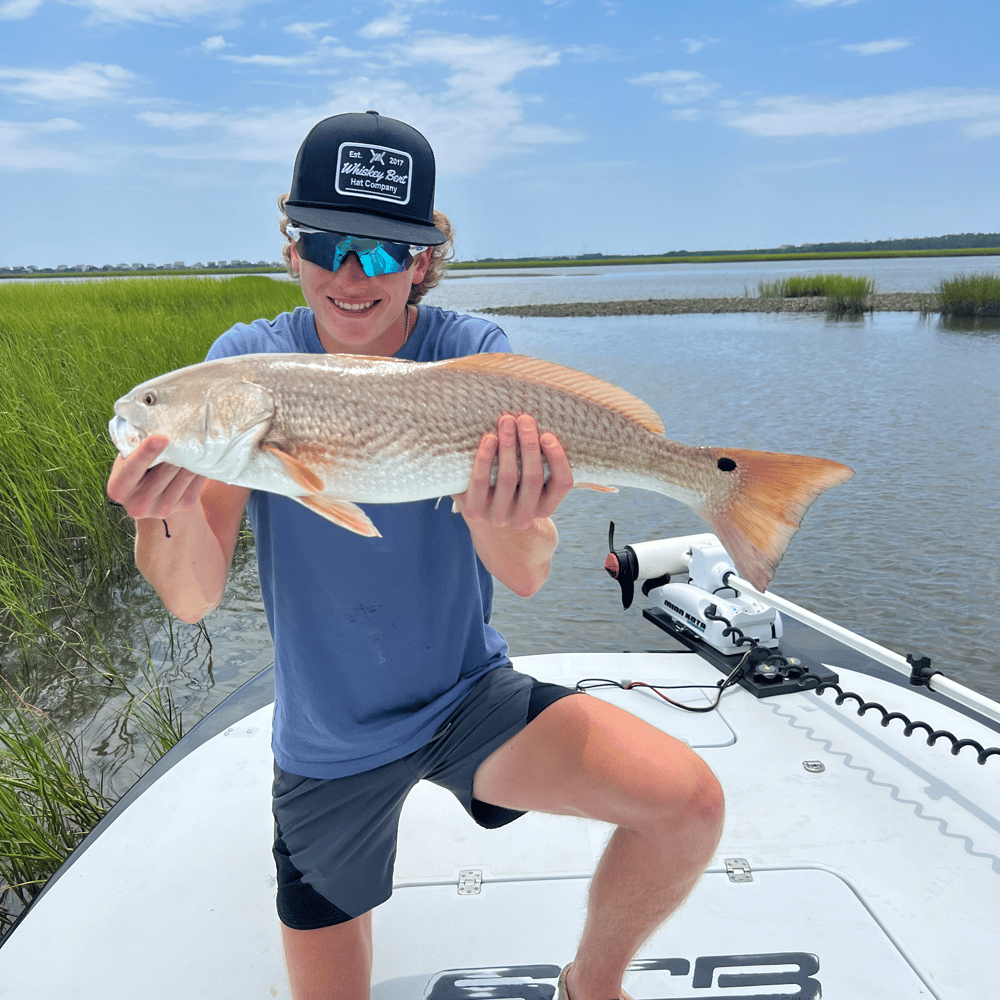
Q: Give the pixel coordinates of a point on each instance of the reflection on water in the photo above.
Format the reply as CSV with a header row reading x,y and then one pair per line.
x,y
970,324
97,689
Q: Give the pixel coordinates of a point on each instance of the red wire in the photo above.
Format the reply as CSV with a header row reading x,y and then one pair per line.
x,y
643,684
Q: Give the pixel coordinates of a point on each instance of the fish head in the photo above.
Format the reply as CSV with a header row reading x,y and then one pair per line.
x,y
214,419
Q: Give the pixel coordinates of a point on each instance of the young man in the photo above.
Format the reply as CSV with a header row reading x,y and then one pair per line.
x,y
387,669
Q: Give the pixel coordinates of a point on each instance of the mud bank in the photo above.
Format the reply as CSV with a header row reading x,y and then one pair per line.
x,y
891,302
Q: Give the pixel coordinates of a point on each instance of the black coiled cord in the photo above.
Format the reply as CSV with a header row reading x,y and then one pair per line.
x,y
819,686
909,726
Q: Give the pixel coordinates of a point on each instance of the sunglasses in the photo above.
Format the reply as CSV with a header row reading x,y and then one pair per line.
x,y
329,250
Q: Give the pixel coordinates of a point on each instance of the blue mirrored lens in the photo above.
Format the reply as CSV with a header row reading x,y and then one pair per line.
x,y
328,250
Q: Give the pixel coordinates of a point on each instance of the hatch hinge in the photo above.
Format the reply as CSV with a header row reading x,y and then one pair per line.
x,y
470,882
738,870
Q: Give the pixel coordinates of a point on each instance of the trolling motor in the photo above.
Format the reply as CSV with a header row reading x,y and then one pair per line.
x,y
652,562
700,602
687,578
715,613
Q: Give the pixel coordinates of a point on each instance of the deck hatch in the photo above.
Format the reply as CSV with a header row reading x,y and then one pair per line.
x,y
511,939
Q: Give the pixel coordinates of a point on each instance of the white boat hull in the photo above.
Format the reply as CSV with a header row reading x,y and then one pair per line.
x,y
875,877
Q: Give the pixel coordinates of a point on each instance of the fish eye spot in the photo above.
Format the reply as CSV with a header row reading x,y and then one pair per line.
x,y
726,464
149,399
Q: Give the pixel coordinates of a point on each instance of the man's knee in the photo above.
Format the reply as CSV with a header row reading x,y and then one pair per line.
x,y
693,805
709,801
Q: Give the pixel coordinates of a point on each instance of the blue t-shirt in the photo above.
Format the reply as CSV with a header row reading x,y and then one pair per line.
x,y
376,640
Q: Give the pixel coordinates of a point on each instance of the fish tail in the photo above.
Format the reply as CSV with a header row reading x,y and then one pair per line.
x,y
757,520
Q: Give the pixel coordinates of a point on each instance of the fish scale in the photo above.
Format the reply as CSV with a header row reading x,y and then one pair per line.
x,y
333,431
454,414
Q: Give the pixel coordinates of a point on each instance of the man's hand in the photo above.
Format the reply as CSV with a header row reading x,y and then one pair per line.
x,y
189,561
510,520
152,491
519,497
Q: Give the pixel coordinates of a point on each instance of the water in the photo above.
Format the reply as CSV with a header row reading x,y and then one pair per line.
x,y
471,290
906,553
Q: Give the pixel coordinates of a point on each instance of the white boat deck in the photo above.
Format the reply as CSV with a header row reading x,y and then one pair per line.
x,y
876,877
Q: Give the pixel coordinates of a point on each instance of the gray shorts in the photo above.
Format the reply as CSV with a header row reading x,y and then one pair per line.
x,y
335,838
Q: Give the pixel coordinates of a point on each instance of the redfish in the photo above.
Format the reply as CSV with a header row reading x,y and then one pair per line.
x,y
332,431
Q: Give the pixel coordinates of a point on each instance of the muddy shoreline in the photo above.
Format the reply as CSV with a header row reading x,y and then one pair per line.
x,y
890,302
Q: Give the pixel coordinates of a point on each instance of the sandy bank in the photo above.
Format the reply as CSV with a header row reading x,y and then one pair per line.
x,y
892,302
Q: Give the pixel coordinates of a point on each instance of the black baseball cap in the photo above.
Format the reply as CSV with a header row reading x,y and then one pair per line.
x,y
366,175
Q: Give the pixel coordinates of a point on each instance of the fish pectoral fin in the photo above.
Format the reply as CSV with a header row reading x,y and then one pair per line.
x,y
595,486
342,512
300,473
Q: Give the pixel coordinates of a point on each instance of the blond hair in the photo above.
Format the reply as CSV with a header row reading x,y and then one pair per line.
x,y
439,255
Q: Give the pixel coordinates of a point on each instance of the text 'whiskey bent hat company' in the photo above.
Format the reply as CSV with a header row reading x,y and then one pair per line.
x,y
366,175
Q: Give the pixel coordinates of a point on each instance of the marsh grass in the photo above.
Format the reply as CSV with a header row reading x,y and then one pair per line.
x,y
975,295
47,804
67,352
845,294
48,800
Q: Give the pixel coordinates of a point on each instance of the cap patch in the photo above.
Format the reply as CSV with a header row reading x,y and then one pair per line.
x,y
367,171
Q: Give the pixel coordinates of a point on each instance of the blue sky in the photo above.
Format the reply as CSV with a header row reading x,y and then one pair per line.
x,y
159,130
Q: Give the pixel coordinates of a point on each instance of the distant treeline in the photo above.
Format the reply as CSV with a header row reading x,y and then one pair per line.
x,y
953,241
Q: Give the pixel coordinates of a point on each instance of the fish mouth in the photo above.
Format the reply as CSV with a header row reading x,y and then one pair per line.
x,y
126,437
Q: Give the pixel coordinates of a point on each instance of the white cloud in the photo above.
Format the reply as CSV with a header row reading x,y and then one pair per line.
x,y
983,129
766,168
677,86
23,146
456,88
479,117
597,52
534,135
310,61
481,64
162,11
339,52
282,62
82,82
214,43
306,29
385,27
254,135
693,45
474,118
878,48
180,120
793,116
17,10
